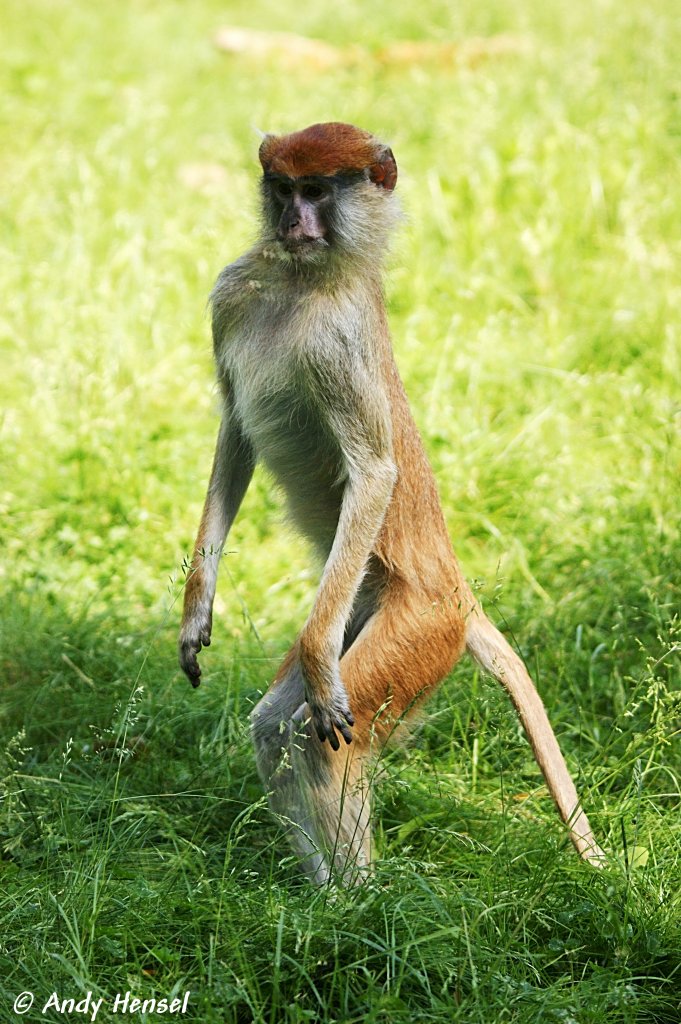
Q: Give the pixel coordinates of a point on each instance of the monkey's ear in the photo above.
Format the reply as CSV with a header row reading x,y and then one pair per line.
x,y
384,171
265,149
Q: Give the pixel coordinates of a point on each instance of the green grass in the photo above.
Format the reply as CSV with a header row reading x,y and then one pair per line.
x,y
534,295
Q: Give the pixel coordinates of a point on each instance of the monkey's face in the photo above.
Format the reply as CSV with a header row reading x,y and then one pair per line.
x,y
327,196
324,223
299,212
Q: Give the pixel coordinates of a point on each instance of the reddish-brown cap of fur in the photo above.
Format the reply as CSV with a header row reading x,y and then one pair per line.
x,y
326,149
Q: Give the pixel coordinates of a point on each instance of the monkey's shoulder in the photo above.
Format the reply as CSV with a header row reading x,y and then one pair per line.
x,y
251,294
237,283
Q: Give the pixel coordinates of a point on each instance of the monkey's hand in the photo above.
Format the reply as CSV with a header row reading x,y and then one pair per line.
x,y
194,635
329,707
331,715
325,693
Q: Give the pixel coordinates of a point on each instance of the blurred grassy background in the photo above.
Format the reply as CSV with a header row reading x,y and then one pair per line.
x,y
534,293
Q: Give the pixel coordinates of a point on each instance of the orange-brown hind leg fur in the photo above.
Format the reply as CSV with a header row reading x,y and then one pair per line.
x,y
401,654
405,648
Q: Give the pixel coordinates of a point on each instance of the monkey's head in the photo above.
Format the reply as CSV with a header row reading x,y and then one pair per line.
x,y
327,194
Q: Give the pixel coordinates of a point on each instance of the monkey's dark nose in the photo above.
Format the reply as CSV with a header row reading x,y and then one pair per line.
x,y
289,221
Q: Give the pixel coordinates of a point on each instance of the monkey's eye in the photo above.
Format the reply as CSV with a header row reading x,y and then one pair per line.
x,y
314,191
283,189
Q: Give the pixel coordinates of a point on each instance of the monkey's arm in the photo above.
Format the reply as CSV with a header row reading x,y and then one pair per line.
x,y
363,429
233,466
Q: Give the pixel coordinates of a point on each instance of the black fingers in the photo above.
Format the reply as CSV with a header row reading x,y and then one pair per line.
x,y
189,662
327,722
321,729
345,733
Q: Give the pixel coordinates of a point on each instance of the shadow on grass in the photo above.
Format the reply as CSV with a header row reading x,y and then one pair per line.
x,y
137,853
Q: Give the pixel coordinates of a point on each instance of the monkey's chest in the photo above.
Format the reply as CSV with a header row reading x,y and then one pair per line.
x,y
274,365
290,437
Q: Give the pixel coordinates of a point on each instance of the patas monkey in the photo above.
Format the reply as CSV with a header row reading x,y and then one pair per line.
x,y
309,385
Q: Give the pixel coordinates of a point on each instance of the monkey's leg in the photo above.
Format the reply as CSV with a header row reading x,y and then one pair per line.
x,y
410,644
399,655
401,652
318,792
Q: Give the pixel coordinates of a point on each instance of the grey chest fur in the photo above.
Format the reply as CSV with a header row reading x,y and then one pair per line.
x,y
276,362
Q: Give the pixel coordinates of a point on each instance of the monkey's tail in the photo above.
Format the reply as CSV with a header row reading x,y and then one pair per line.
x,y
495,655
